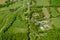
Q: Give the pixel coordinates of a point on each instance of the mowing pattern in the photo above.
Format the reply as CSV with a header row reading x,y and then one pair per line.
x,y
30,20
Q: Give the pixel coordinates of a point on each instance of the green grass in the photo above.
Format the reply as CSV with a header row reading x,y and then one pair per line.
x,y
55,2
54,12
56,22
43,2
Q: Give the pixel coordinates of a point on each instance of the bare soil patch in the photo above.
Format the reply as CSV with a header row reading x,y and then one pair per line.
x,y
58,9
2,1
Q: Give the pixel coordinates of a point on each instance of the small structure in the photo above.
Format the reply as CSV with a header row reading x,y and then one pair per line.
x,y
43,25
47,27
41,22
35,14
42,28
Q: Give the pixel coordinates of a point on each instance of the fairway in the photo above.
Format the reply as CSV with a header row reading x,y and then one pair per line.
x,y
46,12
43,2
54,11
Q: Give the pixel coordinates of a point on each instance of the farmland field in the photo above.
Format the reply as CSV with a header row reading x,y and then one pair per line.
x,y
30,20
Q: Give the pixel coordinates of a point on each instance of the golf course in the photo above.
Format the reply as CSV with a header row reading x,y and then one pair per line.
x,y
29,19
